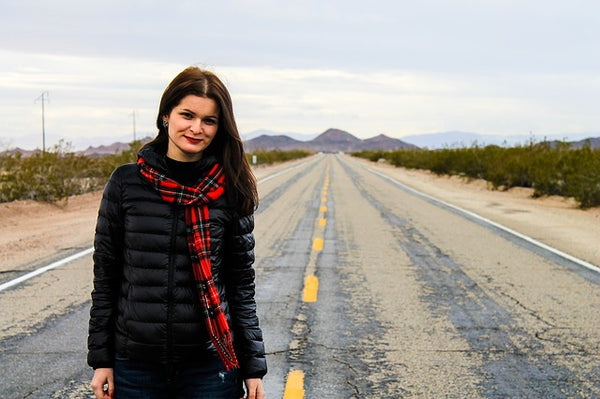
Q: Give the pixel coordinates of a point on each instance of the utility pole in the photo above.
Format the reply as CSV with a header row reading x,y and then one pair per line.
x,y
133,114
43,98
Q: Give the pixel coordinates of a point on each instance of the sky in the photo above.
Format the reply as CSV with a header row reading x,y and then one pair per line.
x,y
494,67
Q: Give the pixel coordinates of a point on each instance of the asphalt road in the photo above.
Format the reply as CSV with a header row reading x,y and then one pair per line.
x,y
414,299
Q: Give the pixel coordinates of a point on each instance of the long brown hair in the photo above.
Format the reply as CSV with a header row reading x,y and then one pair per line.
x,y
227,145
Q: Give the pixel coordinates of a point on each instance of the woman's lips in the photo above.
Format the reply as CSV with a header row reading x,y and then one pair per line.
x,y
192,140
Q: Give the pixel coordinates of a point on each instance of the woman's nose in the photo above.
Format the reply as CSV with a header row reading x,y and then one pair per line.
x,y
196,126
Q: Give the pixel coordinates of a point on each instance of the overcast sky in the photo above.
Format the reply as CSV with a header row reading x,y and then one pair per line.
x,y
368,67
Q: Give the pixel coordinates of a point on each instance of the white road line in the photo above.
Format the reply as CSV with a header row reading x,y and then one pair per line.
x,y
88,251
533,241
267,178
44,269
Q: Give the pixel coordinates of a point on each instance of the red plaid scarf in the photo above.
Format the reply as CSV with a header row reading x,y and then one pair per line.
x,y
195,200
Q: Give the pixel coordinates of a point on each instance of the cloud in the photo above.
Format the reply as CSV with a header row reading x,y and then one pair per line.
x,y
429,35
408,102
394,67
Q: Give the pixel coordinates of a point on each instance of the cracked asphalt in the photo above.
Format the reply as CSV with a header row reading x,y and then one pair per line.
x,y
414,300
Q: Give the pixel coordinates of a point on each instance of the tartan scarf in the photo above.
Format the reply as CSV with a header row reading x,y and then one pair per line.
x,y
195,200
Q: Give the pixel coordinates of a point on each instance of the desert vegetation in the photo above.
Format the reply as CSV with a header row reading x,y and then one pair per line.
x,y
264,157
547,168
58,173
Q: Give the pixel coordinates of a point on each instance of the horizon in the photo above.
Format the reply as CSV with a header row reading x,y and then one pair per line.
x,y
432,140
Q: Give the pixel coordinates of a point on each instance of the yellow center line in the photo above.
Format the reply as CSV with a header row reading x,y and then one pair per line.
x,y
294,387
318,244
311,288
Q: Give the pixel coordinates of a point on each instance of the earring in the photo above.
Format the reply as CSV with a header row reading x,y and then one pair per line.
x,y
165,123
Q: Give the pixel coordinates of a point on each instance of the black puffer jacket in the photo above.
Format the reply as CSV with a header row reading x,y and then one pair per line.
x,y
145,304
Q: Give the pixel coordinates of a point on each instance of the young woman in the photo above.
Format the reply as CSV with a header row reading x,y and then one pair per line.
x,y
173,311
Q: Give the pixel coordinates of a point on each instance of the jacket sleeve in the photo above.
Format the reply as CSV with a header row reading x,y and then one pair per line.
x,y
107,266
242,305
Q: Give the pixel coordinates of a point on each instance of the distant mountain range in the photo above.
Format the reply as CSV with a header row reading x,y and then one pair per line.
x,y
332,140
457,139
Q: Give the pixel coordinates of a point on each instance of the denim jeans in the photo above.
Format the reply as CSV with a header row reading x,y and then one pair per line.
x,y
136,380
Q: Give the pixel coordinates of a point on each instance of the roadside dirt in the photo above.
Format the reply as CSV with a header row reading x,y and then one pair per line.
x,y
34,232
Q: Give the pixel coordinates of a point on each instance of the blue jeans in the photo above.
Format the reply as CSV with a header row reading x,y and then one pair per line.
x,y
136,380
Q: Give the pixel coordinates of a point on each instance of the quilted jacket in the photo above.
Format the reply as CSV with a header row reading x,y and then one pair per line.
x,y
145,304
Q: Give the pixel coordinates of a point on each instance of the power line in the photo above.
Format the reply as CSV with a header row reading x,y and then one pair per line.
x,y
43,98
133,114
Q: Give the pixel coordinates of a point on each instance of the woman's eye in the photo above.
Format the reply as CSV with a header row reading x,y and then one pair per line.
x,y
210,121
186,115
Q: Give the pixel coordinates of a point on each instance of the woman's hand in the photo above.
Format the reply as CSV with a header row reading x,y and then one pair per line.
x,y
103,377
254,387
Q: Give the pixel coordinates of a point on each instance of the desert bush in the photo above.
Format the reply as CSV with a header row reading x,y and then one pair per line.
x,y
264,157
548,168
56,174
59,173
47,176
582,176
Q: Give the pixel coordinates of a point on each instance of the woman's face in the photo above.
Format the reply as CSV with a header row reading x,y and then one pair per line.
x,y
193,124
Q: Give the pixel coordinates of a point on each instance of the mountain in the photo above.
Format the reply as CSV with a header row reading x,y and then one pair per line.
x,y
459,139
593,142
265,132
383,141
17,150
279,142
114,148
332,140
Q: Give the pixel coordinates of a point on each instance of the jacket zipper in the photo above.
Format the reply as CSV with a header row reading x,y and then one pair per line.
x,y
171,273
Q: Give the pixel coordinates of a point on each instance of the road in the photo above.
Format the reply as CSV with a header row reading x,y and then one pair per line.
x,y
408,298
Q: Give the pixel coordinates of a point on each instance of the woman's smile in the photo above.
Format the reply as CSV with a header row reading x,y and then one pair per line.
x,y
193,140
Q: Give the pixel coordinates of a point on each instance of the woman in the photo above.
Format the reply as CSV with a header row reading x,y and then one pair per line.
x,y
173,311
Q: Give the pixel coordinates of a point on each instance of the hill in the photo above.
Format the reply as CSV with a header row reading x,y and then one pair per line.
x,y
264,132
460,139
592,142
332,140
114,148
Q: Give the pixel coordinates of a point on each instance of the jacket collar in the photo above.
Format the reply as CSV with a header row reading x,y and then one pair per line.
x,y
157,159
